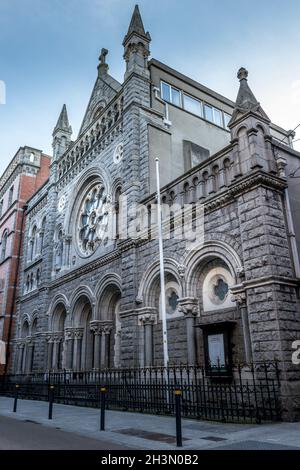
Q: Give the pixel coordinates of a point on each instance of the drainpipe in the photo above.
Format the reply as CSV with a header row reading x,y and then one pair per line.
x,y
15,290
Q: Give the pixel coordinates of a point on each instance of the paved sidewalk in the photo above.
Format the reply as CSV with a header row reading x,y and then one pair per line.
x,y
141,431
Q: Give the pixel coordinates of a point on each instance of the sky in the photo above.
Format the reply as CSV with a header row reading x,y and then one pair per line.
x,y
49,55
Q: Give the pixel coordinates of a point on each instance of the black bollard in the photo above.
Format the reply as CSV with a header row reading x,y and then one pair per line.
x,y
51,399
102,408
16,398
178,394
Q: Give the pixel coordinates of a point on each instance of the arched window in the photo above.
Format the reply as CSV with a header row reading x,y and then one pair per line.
x,y
31,281
33,243
59,246
117,212
27,283
10,196
4,245
38,278
42,234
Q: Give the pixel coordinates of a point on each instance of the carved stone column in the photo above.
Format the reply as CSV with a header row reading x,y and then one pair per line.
x,y
28,355
56,339
78,335
69,342
147,320
21,349
241,300
105,336
49,351
96,328
190,308
237,171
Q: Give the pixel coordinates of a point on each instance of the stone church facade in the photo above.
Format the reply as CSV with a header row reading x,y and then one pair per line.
x,y
96,300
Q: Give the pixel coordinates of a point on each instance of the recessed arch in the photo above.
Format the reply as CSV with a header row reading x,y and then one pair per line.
x,y
151,276
197,259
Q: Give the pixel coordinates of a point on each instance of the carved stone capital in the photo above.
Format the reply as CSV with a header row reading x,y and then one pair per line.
x,y
69,334
147,316
95,327
78,333
189,306
240,298
106,328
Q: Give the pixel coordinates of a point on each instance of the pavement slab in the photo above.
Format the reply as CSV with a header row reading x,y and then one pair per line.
x,y
153,432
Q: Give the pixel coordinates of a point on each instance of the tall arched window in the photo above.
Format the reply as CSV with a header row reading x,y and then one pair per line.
x,y
117,212
4,245
38,278
42,234
33,243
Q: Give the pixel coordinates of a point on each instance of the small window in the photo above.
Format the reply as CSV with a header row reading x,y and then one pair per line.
x,y
208,111
175,96
227,118
192,105
10,196
170,94
218,117
165,92
1,208
3,246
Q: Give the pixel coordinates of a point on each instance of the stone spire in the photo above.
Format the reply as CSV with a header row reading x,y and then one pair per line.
x,y
136,46
61,134
63,122
246,101
136,26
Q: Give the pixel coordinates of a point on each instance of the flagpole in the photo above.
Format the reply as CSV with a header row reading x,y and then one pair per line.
x,y
162,269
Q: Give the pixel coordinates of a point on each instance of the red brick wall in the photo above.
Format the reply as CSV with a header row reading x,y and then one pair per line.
x,y
25,186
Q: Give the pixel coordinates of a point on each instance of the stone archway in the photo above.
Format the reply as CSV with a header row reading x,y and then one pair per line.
x,y
110,326
83,338
56,338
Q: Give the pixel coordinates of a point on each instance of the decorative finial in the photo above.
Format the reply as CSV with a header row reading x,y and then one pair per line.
x,y
102,56
242,74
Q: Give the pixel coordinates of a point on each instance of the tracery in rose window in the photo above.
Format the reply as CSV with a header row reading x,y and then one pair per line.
x,y
92,220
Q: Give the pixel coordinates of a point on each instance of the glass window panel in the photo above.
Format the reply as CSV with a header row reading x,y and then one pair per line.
x,y
218,117
175,96
227,118
192,105
208,113
165,90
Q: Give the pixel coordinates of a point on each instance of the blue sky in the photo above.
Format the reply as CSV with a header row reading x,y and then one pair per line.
x,y
49,53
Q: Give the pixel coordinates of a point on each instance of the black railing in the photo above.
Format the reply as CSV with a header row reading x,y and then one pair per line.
x,y
241,393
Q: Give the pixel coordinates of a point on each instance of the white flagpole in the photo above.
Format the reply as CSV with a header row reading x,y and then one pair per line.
x,y
162,270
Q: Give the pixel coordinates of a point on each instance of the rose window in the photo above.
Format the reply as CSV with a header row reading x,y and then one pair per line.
x,y
93,220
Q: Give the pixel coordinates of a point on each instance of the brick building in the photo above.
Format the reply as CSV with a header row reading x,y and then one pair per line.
x,y
90,301
26,173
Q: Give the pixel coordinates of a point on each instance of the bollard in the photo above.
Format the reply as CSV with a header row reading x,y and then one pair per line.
x,y
16,398
102,408
178,394
51,399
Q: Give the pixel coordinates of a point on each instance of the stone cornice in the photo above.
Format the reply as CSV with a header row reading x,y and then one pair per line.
x,y
264,281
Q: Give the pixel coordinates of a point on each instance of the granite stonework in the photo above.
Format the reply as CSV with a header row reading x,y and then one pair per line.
x,y
104,310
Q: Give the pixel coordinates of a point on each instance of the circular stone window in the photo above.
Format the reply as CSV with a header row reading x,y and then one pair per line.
x,y
216,289
172,296
219,289
118,153
92,220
